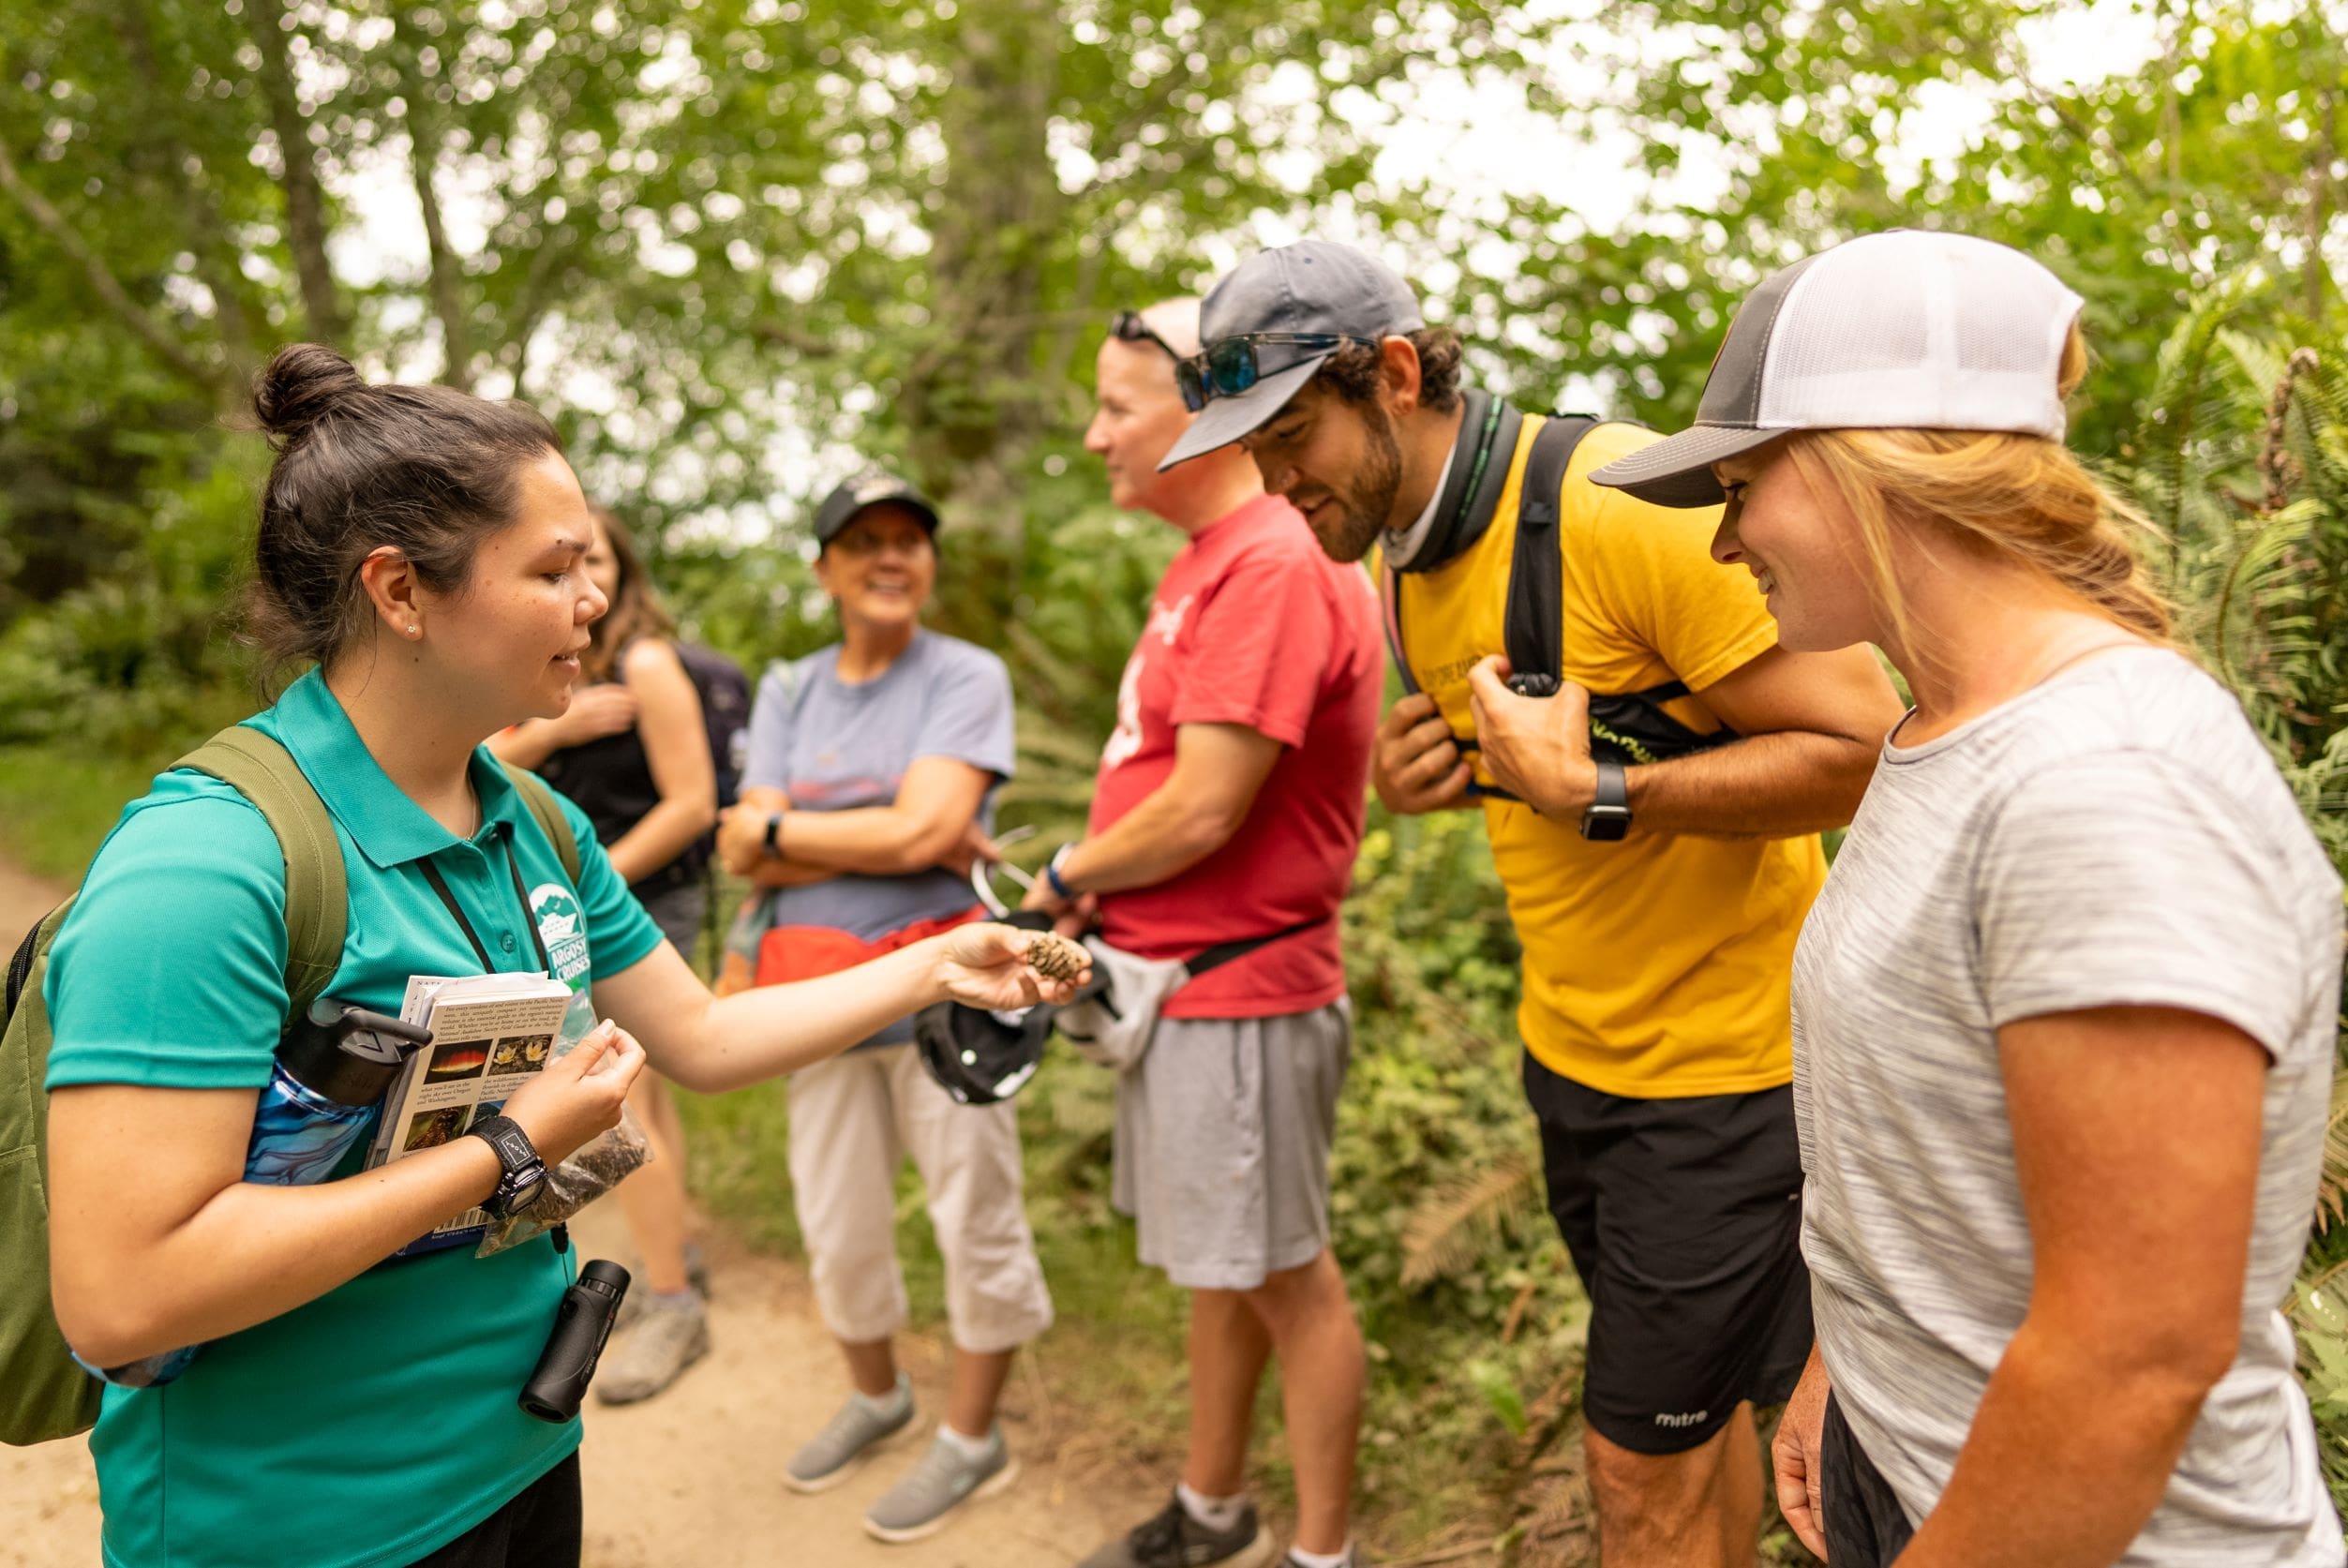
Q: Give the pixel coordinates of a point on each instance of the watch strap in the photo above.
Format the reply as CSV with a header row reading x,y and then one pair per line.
x,y
521,1172
773,840
1607,817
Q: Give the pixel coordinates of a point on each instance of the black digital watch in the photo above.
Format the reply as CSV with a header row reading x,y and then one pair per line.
x,y
524,1175
1608,816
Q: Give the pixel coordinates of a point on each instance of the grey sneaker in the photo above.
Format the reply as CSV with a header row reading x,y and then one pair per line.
x,y
649,1355
917,1506
847,1437
1353,1560
696,1276
1175,1540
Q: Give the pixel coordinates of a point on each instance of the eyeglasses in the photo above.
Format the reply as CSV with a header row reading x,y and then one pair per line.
x,y
1232,365
1127,326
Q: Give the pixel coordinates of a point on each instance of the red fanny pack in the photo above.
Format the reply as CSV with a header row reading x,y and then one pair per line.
x,y
803,952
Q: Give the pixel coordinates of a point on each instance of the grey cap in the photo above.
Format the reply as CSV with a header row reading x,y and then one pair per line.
x,y
1313,286
870,488
1904,330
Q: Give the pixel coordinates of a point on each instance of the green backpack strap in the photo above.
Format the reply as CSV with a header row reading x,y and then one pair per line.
x,y
539,797
317,887
44,1394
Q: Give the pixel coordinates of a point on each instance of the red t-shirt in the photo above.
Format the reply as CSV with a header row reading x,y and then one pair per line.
x,y
1252,625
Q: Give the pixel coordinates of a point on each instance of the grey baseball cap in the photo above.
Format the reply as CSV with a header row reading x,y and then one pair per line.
x,y
1313,286
1904,330
870,488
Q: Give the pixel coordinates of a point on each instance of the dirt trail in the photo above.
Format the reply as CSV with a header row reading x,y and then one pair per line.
x,y
691,1477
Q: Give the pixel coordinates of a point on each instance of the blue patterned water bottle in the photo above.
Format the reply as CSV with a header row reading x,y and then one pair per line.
x,y
331,1073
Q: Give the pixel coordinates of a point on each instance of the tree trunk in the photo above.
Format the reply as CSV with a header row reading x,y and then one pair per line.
x,y
305,198
153,333
975,402
424,156
171,173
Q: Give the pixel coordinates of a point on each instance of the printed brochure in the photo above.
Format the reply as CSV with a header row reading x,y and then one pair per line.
x,y
490,1033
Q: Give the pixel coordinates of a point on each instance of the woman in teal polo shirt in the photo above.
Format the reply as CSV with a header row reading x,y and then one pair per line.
x,y
424,548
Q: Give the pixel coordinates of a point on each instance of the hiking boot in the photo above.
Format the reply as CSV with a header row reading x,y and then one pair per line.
x,y
1175,1540
848,1437
649,1355
944,1479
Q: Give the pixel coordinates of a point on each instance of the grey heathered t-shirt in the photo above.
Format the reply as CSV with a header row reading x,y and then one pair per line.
x,y
2115,836
832,746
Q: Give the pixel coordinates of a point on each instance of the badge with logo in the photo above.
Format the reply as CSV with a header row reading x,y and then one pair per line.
x,y
561,928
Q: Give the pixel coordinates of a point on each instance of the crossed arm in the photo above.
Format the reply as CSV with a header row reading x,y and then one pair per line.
x,y
935,808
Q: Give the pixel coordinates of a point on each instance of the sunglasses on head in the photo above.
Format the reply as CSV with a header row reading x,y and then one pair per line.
x,y
1231,365
1127,326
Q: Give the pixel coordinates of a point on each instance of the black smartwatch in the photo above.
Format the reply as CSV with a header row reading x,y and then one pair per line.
x,y
525,1174
773,841
1608,816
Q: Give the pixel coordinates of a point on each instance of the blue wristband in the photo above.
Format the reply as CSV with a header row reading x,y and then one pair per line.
x,y
1059,884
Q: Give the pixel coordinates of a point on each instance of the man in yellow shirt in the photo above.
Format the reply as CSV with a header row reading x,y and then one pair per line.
x,y
1653,798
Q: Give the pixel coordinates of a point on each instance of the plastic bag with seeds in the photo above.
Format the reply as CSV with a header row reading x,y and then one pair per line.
x,y
600,1164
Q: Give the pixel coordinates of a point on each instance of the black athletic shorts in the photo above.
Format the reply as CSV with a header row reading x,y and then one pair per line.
x,y
539,1526
1865,1527
1684,1217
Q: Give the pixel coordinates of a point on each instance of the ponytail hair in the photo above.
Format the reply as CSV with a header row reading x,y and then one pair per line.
x,y
2020,498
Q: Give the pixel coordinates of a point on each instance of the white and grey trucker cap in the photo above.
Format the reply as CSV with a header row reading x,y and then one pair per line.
x,y
1313,286
1903,330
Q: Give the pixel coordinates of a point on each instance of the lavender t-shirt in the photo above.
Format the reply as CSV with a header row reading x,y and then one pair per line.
x,y
833,746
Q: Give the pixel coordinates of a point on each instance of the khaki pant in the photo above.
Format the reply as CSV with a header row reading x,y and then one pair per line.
x,y
853,1121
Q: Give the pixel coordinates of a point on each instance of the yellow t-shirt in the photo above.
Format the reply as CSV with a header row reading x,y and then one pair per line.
x,y
1658,967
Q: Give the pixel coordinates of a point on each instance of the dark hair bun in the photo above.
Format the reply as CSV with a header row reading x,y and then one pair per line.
x,y
304,381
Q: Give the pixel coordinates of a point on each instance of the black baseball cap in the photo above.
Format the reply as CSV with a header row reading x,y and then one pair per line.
x,y
1312,287
870,488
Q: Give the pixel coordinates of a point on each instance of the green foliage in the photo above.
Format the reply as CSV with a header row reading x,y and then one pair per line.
x,y
2243,464
732,245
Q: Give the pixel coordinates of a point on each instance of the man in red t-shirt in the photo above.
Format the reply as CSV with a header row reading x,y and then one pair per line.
x,y
1229,808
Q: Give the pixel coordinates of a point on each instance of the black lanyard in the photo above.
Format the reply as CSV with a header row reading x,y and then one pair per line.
x,y
432,875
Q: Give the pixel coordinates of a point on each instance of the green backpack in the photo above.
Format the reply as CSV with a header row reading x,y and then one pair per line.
x,y
44,1392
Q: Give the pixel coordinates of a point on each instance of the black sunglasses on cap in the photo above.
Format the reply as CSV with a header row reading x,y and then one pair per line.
x,y
1232,365
1127,326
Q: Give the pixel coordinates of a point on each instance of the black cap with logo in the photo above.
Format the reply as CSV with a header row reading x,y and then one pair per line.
x,y
870,488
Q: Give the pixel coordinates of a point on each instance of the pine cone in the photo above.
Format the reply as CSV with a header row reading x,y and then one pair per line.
x,y
1056,958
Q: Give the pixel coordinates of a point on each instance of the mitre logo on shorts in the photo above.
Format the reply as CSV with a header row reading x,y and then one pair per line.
x,y
1688,1419
561,928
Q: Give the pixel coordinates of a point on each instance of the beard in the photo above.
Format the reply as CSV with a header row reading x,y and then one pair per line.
x,y
1362,507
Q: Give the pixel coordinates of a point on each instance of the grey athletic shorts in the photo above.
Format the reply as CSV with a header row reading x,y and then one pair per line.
x,y
1223,1144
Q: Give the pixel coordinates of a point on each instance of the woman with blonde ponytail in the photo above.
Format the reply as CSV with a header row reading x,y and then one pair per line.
x,y
2064,1013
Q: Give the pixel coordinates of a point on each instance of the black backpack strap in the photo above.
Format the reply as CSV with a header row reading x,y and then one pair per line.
x,y
1390,600
1223,952
1533,632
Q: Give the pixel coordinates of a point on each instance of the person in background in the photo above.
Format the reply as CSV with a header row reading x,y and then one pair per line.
x,y
872,762
1229,808
633,751
2064,1015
